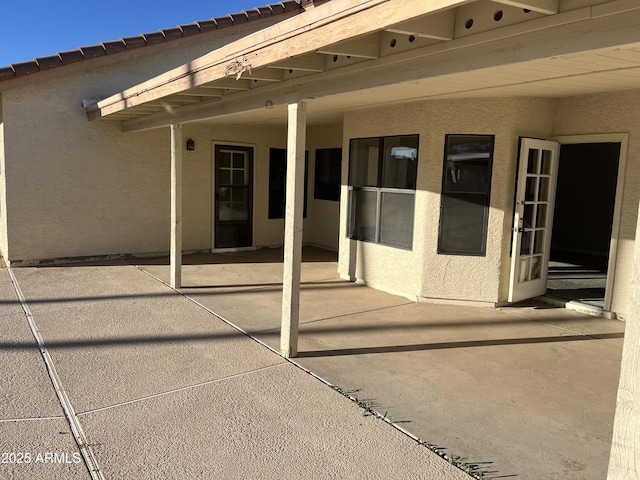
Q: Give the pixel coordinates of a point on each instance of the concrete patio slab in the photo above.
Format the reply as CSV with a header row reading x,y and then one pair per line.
x,y
34,449
164,389
277,422
526,391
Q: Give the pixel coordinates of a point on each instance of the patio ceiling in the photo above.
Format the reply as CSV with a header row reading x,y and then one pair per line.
x,y
375,52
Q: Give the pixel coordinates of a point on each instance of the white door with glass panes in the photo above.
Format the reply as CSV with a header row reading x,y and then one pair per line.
x,y
533,218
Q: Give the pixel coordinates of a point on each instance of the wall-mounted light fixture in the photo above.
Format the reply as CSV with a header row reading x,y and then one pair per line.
x,y
191,144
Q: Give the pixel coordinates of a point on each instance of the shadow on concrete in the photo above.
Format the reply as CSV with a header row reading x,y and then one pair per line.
x,y
462,344
165,339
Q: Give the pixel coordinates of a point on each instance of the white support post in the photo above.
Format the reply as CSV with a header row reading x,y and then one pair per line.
x,y
176,206
293,229
624,462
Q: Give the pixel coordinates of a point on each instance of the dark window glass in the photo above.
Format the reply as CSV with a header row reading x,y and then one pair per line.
x,y
466,187
328,174
278,182
382,180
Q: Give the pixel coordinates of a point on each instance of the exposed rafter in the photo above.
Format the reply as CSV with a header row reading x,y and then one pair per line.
x,y
440,26
363,47
304,33
307,63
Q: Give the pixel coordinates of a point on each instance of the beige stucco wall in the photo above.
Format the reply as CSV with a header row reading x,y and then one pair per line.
x,y
80,188
321,224
612,113
3,203
422,273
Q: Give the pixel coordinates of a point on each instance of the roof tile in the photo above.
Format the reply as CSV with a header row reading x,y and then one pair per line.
x,y
207,25
225,21
49,62
153,38
25,68
128,43
134,42
172,33
265,11
114,47
93,51
7,73
239,18
252,14
72,56
188,30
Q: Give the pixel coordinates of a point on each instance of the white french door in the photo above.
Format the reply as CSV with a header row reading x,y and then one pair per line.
x,y
533,218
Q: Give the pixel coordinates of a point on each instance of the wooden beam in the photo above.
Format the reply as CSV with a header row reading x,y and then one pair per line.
x,y
548,7
564,33
307,63
296,142
230,84
264,74
364,47
175,260
334,21
204,92
440,26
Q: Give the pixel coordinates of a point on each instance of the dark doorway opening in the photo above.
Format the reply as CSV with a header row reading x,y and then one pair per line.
x,y
583,222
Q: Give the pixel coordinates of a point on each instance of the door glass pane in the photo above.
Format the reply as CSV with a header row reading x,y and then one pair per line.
x,y
529,211
238,194
363,215
238,160
543,195
546,162
530,190
525,243
524,270
238,177
541,220
225,212
396,219
225,194
225,177
539,242
532,163
536,268
224,159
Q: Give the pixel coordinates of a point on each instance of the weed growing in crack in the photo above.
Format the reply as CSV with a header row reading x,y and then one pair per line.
x,y
462,463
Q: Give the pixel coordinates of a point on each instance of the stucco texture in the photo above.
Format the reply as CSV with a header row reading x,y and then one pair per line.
x,y
80,188
422,273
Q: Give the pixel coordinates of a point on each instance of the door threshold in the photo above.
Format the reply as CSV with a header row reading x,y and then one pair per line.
x,y
578,306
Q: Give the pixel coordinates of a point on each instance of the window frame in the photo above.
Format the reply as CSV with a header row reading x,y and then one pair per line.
x,y
477,197
354,217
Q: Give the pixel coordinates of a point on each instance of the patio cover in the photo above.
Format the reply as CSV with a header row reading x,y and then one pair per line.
x,y
344,54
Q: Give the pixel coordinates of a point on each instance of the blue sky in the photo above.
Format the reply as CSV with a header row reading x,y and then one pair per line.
x,y
38,28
